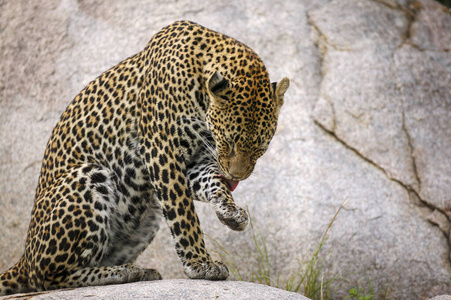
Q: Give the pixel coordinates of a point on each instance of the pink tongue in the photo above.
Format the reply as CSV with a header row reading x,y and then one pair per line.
x,y
232,183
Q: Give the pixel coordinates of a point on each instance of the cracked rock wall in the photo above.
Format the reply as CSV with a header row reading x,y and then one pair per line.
x,y
367,119
386,93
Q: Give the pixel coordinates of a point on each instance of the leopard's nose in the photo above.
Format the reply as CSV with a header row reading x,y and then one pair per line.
x,y
240,166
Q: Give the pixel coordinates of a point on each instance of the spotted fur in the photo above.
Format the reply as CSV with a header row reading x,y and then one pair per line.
x,y
174,123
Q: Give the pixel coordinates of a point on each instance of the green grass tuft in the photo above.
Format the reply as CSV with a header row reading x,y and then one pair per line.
x,y
306,280
361,293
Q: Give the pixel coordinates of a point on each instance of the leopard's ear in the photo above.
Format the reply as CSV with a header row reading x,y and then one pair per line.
x,y
280,90
218,86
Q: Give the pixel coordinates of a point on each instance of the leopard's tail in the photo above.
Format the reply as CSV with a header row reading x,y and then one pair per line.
x,y
14,280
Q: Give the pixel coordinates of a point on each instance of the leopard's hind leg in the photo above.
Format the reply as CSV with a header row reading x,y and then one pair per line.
x,y
102,276
75,230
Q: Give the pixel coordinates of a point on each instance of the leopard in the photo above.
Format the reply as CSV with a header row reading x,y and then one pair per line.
x,y
185,119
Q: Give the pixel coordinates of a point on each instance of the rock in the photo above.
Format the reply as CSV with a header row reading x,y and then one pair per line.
x,y
441,297
367,119
171,290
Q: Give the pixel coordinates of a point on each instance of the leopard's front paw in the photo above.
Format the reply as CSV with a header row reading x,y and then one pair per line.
x,y
235,218
207,270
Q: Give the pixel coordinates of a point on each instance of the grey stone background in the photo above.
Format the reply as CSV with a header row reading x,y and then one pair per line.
x,y
367,119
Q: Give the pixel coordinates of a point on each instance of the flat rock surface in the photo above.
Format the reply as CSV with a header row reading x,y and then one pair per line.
x,y
367,119
183,289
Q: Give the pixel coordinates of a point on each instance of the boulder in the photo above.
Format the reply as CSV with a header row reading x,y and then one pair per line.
x,y
176,289
441,297
367,120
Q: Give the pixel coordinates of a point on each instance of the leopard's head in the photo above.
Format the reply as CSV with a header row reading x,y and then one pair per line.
x,y
242,117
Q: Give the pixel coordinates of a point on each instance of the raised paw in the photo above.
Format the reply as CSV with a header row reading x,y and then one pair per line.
x,y
207,270
234,217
